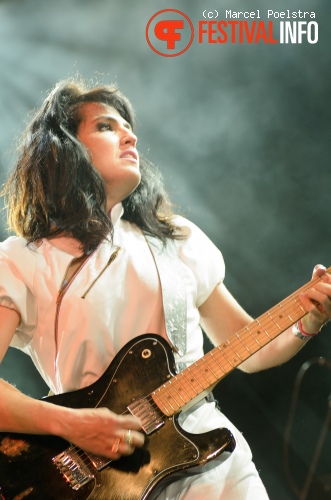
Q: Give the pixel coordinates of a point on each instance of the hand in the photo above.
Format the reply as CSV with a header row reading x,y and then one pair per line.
x,y
317,302
103,433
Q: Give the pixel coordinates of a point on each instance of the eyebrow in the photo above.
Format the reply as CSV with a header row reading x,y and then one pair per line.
x,y
112,118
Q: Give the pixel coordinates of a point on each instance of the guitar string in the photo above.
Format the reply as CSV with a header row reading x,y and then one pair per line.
x,y
270,332
86,458
235,345
290,307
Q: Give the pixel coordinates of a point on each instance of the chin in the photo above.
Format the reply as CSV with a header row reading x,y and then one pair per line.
x,y
131,184
135,184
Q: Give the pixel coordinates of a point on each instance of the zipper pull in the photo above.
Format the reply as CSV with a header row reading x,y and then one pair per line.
x,y
59,296
111,259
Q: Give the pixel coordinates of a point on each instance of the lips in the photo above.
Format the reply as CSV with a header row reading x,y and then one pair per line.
x,y
129,154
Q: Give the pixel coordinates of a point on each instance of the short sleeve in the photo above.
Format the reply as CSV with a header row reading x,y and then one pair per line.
x,y
16,278
204,259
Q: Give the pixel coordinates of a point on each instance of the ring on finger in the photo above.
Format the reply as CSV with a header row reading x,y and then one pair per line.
x,y
116,445
127,438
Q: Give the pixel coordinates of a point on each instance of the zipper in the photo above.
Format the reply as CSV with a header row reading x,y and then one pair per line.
x,y
111,259
64,289
59,298
56,323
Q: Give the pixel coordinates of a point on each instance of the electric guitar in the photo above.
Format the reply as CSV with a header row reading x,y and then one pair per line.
x,y
141,380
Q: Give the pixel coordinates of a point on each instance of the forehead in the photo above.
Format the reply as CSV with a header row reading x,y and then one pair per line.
x,y
91,112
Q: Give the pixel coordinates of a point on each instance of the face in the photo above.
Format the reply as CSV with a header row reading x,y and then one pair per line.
x,y
112,147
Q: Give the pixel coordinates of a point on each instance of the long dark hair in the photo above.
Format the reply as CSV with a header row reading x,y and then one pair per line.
x,y
54,189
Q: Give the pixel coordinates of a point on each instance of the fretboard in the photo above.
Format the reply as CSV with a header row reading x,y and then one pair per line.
x,y
198,379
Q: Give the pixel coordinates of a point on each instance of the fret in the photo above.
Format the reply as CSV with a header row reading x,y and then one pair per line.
x,y
211,358
288,307
287,315
275,322
269,326
246,351
282,314
186,384
301,311
185,396
194,382
248,339
243,344
162,405
169,394
165,401
202,375
257,335
171,387
232,344
227,367
231,360
214,358
273,333
208,371
166,397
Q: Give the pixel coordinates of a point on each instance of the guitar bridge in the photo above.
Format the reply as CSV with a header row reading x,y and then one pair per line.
x,y
73,468
149,414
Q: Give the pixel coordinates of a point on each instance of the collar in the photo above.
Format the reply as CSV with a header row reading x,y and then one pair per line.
x,y
116,213
72,246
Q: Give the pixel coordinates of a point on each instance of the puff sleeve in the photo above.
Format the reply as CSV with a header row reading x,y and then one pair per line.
x,y
16,285
202,257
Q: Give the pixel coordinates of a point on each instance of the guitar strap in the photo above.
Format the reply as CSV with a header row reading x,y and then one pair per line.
x,y
174,299
173,292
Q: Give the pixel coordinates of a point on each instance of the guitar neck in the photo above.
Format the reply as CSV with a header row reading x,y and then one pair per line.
x,y
193,383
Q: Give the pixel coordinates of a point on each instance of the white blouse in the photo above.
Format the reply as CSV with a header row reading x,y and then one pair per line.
x,y
72,339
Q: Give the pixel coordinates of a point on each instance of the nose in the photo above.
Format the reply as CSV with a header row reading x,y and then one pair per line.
x,y
128,137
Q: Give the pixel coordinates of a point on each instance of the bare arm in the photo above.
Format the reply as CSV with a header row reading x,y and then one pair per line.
x,y
94,430
222,316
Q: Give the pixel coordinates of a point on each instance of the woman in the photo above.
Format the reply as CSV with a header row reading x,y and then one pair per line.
x,y
82,278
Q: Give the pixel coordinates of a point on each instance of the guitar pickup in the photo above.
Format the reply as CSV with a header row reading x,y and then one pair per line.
x,y
148,413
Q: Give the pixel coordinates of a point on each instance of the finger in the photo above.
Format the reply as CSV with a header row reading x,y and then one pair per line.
x,y
118,422
322,293
313,308
326,278
319,270
119,448
133,438
319,296
130,422
126,443
116,446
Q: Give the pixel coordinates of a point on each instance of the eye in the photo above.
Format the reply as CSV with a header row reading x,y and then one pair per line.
x,y
102,126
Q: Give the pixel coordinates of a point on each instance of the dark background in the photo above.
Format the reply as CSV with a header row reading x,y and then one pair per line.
x,y
241,133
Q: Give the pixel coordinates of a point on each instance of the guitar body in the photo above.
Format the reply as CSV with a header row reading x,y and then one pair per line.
x,y
27,469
